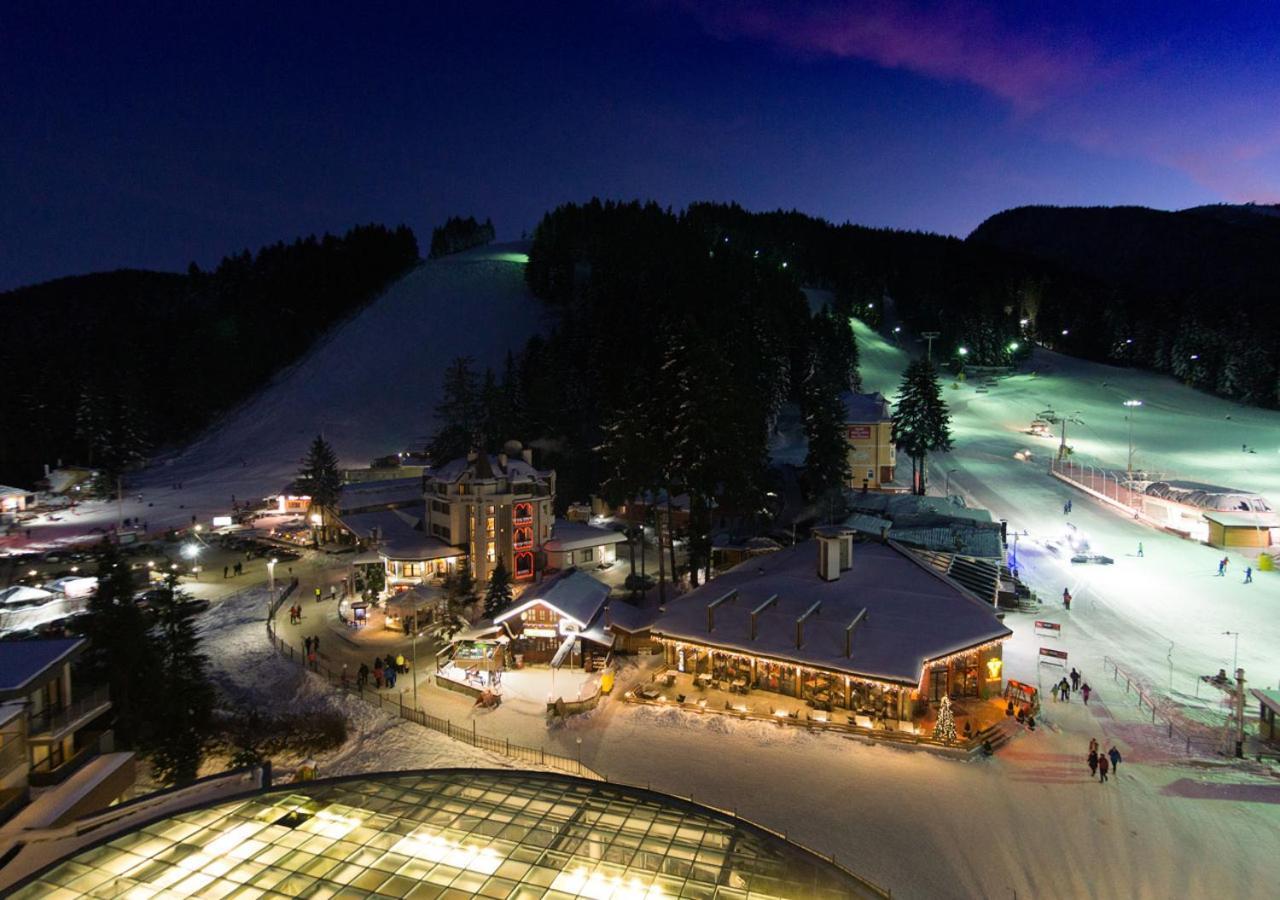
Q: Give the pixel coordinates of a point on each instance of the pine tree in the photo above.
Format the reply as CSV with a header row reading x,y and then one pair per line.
x,y
462,586
945,728
320,476
497,596
121,654
826,462
921,423
184,705
459,414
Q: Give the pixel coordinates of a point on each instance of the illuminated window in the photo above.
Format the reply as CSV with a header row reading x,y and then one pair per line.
x,y
524,564
491,526
490,551
522,512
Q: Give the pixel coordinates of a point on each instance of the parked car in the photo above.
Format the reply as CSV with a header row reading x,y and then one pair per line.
x,y
1095,558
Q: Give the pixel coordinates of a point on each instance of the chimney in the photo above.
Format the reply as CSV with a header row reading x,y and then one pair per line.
x,y
828,557
846,551
472,455
502,461
527,455
850,629
811,611
711,608
759,609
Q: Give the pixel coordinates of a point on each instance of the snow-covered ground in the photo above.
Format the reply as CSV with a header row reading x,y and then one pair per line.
x,y
1168,605
369,387
248,671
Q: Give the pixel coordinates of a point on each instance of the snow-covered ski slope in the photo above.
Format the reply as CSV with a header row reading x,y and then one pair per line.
x,y
1163,611
369,386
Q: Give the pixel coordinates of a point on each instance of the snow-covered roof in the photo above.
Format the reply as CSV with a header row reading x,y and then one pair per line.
x,y
913,614
901,506
573,593
1208,496
399,535
567,535
477,470
368,495
8,490
625,617
865,409
1243,519
22,663
20,593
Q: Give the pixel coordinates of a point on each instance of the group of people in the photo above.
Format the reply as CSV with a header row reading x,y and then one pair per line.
x,y
236,570
295,614
1101,763
1023,714
1063,690
384,671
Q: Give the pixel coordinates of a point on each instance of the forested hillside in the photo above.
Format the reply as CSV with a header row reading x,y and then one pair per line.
x,y
100,368
1193,293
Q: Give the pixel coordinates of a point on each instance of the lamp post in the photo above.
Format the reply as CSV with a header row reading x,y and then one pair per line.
x,y
930,336
1132,405
1235,653
946,482
271,578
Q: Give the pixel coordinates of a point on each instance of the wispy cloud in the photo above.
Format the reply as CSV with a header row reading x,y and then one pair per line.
x,y
1130,100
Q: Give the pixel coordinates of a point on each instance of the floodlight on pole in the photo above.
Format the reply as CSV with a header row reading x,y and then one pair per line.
x,y
930,336
1132,404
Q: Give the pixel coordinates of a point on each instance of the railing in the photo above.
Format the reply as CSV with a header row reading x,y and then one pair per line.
x,y
53,721
45,773
1161,712
472,736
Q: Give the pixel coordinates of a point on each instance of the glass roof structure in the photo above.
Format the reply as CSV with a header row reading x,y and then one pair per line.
x,y
448,834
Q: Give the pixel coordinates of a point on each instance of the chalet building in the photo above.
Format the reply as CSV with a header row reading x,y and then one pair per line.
x,y
867,628
560,622
579,544
387,517
869,435
14,500
492,507
54,746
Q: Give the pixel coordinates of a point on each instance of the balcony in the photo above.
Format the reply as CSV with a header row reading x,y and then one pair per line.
x,y
46,774
53,725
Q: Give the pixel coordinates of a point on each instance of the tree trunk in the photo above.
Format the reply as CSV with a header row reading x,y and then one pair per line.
x,y
671,536
662,567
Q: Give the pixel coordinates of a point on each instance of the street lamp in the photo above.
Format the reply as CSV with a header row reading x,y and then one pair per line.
x,y
271,577
963,351
1132,404
1235,653
946,484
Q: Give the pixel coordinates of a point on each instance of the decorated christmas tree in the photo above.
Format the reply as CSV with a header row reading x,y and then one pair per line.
x,y
945,728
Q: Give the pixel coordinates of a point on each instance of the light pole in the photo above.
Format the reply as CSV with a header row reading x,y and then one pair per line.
x,y
271,578
1133,405
946,482
930,336
1235,653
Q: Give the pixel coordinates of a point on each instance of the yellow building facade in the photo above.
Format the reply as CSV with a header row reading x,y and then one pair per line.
x,y
869,436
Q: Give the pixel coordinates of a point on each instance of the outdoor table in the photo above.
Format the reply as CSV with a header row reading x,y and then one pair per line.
x,y
739,684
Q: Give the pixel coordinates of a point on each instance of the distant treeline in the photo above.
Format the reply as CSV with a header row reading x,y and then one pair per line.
x,y
458,234
1194,293
99,368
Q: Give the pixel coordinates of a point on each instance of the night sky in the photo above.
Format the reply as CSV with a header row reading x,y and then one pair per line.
x,y
150,135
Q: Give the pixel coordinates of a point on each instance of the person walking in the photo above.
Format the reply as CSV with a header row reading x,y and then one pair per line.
x,y
1086,690
306,643
1093,745
1222,567
1102,769
1065,690
362,676
1114,754
1066,598
317,594
1075,680
1093,763
377,672
1248,575
1139,549
224,573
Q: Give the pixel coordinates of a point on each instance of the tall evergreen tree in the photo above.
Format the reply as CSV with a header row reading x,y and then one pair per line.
x,y
826,463
458,415
320,476
921,423
497,595
184,706
121,654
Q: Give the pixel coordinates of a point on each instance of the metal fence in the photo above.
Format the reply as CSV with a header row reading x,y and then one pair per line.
x,y
395,704
1196,740
1108,484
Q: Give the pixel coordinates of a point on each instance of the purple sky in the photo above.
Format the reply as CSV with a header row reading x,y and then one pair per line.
x,y
155,134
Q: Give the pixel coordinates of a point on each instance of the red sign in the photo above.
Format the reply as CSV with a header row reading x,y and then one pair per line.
x,y
1056,654
859,432
1049,626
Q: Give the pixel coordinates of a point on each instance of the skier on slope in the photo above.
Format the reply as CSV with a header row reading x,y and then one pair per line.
x,y
1066,598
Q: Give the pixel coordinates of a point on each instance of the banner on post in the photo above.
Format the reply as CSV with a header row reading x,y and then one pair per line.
x,y
1051,657
1048,629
